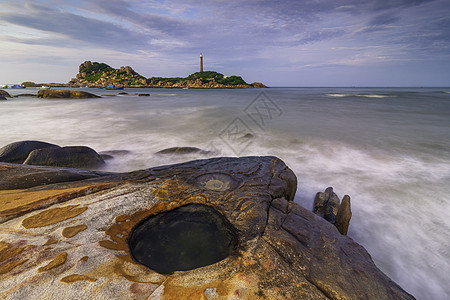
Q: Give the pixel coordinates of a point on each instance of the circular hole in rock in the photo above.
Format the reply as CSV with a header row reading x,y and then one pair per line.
x,y
185,238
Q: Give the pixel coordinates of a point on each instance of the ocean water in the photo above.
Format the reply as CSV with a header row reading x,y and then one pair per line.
x,y
388,148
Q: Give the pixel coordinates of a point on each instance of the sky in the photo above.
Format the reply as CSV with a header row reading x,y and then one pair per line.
x,y
279,43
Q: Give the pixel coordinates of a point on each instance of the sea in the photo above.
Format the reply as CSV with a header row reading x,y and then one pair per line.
x,y
387,148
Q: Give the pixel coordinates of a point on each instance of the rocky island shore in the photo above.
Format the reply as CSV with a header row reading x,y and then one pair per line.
x,y
73,233
100,75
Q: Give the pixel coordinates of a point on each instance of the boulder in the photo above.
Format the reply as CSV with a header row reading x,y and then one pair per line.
x,y
183,150
65,94
25,95
18,152
344,215
29,84
70,157
242,236
143,95
2,98
328,206
110,154
4,94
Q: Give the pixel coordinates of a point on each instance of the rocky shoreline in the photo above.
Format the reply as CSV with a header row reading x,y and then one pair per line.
x,y
74,233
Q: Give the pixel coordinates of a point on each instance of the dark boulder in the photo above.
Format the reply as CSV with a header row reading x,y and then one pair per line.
x,y
328,206
106,155
70,157
65,94
143,95
4,94
183,150
344,215
18,152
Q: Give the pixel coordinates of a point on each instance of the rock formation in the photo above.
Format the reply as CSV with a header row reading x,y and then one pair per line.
x,y
77,236
18,152
94,74
70,157
328,206
4,95
65,94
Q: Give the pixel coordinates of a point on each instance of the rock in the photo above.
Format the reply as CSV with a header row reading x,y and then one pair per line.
x,y
327,205
123,93
344,215
106,155
2,98
143,95
70,157
183,150
18,152
4,94
65,94
258,85
29,84
25,95
72,240
15,176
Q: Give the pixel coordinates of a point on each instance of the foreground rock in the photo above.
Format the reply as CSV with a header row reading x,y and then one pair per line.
x,y
4,95
82,239
18,152
71,157
64,94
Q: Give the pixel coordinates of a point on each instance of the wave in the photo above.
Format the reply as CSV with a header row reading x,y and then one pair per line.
x,y
360,95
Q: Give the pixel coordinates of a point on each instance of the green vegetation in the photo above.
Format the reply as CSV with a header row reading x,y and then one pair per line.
x,y
217,77
172,80
93,72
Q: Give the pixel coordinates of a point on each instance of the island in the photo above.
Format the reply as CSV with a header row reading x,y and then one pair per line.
x,y
95,74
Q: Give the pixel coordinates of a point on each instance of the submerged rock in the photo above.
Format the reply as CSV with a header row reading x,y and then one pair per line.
x,y
183,150
65,94
18,152
107,155
71,157
70,240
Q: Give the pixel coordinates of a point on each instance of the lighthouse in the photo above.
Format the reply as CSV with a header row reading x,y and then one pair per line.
x,y
201,62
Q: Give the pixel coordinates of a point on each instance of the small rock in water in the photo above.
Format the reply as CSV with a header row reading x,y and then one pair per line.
x,y
344,215
143,95
183,150
327,205
65,94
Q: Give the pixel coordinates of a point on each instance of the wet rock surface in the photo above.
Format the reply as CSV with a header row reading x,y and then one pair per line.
x,y
69,239
18,152
71,157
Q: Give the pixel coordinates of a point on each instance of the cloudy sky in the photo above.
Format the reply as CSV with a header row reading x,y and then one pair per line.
x,y
280,43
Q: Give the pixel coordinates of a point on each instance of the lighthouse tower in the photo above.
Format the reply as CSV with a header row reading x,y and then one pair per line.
x,y
201,62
